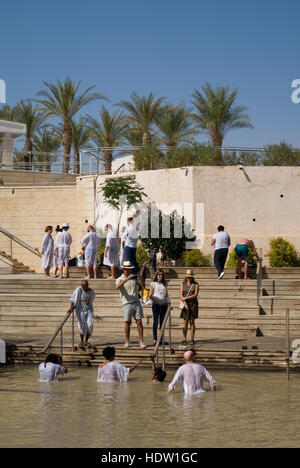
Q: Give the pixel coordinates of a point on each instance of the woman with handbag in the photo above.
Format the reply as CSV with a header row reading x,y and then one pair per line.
x,y
189,291
160,302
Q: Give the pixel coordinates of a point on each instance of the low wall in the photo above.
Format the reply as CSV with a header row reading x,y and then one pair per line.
x,y
28,178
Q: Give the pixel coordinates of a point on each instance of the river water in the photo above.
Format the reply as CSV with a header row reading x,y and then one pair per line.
x,y
248,410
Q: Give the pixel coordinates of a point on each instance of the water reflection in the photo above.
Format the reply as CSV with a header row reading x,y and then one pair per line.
x,y
248,410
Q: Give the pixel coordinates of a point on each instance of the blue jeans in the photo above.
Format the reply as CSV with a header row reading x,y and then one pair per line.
x,y
159,313
130,256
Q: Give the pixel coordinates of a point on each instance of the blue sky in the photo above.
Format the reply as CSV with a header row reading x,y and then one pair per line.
x,y
170,47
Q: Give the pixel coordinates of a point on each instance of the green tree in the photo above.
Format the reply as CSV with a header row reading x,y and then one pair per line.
x,y
63,100
172,244
142,114
281,155
7,113
114,191
45,145
107,133
148,158
33,118
216,113
176,126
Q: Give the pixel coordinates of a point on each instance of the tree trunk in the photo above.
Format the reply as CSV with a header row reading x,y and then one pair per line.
x,y
146,138
108,157
28,154
217,141
76,159
67,145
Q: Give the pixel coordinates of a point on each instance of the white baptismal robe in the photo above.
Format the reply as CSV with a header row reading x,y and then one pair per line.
x,y
63,242
113,372
112,242
47,256
49,372
83,302
192,377
91,241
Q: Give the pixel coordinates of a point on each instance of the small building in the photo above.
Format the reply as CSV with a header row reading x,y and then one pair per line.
x,y
8,132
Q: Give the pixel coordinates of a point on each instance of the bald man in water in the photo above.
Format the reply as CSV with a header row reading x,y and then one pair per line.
x,y
192,376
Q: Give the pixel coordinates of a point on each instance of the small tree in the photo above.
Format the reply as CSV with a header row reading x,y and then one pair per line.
x,y
172,246
114,191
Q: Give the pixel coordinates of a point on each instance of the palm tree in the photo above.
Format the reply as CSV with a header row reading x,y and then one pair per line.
x,y
216,113
143,112
30,115
81,134
7,113
176,126
107,132
62,99
45,145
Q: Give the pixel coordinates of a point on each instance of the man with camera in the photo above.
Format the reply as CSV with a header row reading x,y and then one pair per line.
x,y
127,285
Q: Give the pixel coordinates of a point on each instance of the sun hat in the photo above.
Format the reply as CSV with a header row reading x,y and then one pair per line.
x,y
127,266
66,225
190,273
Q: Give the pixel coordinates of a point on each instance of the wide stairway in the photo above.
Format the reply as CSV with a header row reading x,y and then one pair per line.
x,y
31,308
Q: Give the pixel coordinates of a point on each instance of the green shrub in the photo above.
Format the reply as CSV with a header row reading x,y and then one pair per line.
x,y
282,253
195,258
142,255
232,261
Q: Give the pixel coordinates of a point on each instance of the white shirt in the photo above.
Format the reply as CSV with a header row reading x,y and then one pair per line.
x,y
222,240
113,372
132,236
192,377
49,373
159,291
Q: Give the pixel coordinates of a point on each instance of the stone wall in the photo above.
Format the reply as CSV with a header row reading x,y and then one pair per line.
x,y
256,202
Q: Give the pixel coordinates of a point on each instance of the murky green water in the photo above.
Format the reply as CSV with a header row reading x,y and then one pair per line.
x,y
248,410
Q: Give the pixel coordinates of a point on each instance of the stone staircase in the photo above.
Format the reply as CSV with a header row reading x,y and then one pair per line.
x,y
12,265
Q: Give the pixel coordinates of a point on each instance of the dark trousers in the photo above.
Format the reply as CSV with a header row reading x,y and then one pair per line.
x,y
130,256
220,259
159,313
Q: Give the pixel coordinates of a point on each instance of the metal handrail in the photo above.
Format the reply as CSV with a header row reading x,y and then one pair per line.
x,y
161,337
5,260
259,278
60,329
14,238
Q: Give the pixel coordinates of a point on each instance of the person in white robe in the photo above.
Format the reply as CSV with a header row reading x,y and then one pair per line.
x,y
192,376
63,243
111,252
47,251
111,370
50,369
91,242
57,230
122,248
82,301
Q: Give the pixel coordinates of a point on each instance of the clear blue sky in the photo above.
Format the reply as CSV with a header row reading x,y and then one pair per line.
x,y
170,47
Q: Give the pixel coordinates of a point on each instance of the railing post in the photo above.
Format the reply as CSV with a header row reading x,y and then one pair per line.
x,y
288,346
73,343
61,342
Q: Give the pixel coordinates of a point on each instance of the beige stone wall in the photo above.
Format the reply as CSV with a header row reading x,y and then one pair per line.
x,y
26,211
26,178
231,197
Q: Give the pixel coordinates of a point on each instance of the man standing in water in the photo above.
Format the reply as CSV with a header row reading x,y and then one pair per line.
x,y
192,375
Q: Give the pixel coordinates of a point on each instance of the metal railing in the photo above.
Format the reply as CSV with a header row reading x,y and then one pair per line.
x,y
161,338
59,329
259,278
7,244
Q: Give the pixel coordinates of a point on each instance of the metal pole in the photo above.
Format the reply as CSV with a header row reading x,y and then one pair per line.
x,y
170,335
163,352
287,358
73,344
61,342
